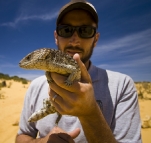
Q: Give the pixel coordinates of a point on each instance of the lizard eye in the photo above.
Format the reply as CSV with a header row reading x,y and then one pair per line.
x,y
28,57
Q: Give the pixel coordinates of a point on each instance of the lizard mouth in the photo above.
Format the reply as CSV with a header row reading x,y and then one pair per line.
x,y
23,65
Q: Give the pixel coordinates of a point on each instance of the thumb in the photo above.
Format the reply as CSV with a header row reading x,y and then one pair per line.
x,y
85,77
74,133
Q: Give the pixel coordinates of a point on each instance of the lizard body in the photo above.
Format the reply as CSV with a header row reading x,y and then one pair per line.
x,y
51,60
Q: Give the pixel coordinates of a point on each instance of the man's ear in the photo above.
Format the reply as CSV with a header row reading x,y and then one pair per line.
x,y
56,37
96,38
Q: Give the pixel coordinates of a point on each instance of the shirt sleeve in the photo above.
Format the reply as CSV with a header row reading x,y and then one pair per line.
x,y
127,125
24,126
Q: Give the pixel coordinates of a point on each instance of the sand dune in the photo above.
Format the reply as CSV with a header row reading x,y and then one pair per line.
x,y
11,102
10,109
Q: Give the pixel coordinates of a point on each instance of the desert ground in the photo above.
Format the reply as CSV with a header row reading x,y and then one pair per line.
x,y
11,103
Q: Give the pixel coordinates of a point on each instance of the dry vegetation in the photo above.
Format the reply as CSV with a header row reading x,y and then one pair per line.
x,y
144,95
144,90
13,89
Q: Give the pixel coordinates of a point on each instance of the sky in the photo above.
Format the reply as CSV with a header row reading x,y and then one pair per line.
x,y
124,26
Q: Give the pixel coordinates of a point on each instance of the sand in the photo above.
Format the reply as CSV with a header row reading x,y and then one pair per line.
x,y
11,103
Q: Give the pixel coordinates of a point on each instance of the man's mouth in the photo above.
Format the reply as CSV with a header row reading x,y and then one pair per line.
x,y
72,52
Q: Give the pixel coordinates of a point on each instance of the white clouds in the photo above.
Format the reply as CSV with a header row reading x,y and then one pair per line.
x,y
128,43
130,54
25,11
22,18
135,63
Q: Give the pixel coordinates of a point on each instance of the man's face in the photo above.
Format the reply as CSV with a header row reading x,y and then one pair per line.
x,y
75,44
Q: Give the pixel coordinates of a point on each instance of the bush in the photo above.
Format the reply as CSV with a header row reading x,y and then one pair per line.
x,y
24,82
15,78
3,84
140,95
4,76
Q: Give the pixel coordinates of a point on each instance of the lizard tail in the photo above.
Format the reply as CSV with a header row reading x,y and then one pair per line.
x,y
40,114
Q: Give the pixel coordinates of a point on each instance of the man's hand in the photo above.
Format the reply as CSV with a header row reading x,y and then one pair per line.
x,y
77,99
57,135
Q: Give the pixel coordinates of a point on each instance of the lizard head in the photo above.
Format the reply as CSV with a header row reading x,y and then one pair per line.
x,y
35,59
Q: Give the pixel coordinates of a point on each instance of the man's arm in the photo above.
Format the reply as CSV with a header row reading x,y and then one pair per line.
x,y
57,135
96,128
22,138
28,139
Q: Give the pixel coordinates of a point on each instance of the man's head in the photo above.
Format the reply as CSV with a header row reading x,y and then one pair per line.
x,y
76,29
78,4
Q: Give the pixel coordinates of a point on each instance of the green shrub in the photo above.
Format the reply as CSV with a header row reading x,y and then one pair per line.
x,y
15,78
3,83
24,82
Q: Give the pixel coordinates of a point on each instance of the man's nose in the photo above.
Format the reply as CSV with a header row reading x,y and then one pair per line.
x,y
75,39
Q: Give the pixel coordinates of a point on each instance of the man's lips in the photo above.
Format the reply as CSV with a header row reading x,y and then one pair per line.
x,y
72,52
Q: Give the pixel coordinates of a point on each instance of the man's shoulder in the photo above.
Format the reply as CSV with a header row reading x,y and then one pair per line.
x,y
38,86
40,78
116,81
39,81
117,75
120,80
113,76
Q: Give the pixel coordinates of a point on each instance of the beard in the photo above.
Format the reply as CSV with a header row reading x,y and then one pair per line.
x,y
85,57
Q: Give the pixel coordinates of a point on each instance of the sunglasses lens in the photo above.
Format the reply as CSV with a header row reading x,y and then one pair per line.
x,y
83,31
65,31
86,31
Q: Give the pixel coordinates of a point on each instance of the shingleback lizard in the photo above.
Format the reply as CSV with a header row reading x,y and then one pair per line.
x,y
51,60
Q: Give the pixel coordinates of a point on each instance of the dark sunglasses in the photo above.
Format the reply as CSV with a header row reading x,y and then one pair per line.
x,y
84,31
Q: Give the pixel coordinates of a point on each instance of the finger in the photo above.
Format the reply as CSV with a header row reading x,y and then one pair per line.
x,y
74,133
60,81
62,95
85,77
51,93
54,138
61,104
58,107
54,102
56,129
66,137
55,95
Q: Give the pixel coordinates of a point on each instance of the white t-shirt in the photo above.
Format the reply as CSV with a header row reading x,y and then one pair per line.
x,y
115,94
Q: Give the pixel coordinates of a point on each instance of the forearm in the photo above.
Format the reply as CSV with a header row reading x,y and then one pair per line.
x,y
96,128
28,139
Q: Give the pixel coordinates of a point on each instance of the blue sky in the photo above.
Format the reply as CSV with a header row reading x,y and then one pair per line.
x,y
124,45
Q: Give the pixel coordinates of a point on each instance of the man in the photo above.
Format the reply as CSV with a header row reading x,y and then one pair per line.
x,y
101,108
